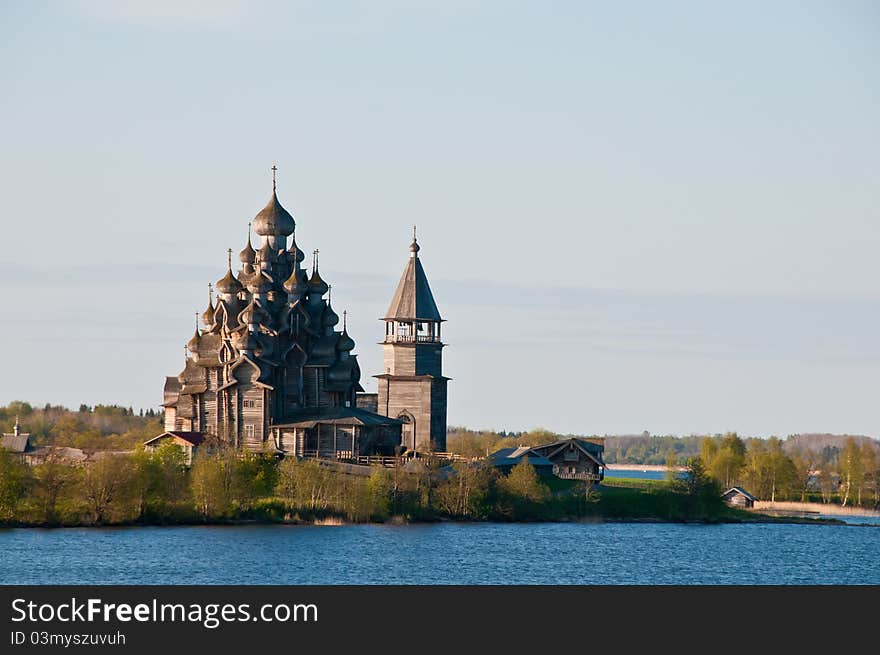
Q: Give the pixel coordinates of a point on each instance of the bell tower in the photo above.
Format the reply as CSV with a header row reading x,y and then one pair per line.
x,y
413,387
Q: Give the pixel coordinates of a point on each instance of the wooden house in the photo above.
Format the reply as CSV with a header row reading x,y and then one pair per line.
x,y
738,497
18,443
188,441
575,458
505,459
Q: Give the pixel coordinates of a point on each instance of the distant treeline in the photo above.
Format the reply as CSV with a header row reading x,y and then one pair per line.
x,y
89,428
643,448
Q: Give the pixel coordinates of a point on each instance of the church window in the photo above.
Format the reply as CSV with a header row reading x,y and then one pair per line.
x,y
249,430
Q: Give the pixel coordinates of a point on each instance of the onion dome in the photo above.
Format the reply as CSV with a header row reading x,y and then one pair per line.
x,y
247,255
258,281
316,284
247,270
193,344
274,220
228,283
295,251
294,284
267,252
330,317
345,342
208,315
414,247
253,313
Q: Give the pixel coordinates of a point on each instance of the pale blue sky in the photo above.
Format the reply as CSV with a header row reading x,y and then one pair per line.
x,y
635,216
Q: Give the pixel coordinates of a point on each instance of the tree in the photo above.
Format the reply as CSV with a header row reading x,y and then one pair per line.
x,y
13,477
805,462
780,469
254,476
696,481
870,466
768,471
851,472
522,491
106,486
700,489
305,484
671,466
382,489
211,485
724,459
466,489
51,478
159,478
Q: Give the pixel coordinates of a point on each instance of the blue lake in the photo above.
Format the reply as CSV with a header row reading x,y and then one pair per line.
x,y
635,474
447,553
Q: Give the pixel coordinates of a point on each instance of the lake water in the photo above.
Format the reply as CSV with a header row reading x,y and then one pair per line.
x,y
635,474
446,553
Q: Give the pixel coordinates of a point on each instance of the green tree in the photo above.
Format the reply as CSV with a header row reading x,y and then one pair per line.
x,y
671,466
105,487
13,479
160,478
52,478
769,473
465,491
305,484
211,480
383,491
851,469
255,476
805,462
703,497
870,470
521,492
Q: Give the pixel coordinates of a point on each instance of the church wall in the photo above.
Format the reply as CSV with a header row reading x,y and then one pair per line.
x,y
413,396
400,360
252,415
438,414
315,388
170,419
428,359
368,401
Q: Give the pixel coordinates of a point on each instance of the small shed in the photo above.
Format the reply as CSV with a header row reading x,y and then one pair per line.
x,y
189,441
738,497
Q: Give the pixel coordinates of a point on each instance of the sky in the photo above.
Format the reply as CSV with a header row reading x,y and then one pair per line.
x,y
634,216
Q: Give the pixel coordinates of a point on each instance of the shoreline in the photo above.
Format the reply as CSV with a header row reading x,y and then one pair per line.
x,y
397,521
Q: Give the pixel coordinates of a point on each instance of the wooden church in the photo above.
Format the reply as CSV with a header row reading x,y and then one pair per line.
x,y
271,370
